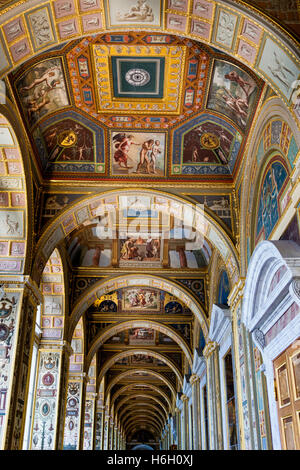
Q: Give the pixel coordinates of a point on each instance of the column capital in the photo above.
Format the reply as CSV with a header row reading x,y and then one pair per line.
x,y
236,293
184,397
194,378
210,348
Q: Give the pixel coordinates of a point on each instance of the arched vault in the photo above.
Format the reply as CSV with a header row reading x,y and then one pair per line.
x,y
116,357
117,328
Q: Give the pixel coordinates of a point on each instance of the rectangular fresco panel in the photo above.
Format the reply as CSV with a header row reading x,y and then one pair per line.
x,y
141,336
140,250
232,92
138,153
42,89
141,299
142,12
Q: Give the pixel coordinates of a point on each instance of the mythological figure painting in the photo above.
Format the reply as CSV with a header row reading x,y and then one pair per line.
x,y
232,92
68,140
141,299
140,250
138,153
142,336
207,143
42,90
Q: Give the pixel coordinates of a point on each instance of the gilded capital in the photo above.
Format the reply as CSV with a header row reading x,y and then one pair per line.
x,y
210,348
194,379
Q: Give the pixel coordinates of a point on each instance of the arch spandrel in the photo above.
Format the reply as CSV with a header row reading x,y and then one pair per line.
x,y
264,32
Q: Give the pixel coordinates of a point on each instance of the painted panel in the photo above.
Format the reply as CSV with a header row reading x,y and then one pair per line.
x,y
232,93
42,90
269,209
135,12
138,153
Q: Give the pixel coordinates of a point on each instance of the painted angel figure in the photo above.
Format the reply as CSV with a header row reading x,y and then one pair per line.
x,y
122,144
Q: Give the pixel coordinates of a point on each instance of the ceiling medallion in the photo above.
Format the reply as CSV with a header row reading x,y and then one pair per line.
x,y
209,140
67,138
137,77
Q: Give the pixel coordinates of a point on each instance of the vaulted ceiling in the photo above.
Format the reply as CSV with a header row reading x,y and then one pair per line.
x,y
137,94
82,101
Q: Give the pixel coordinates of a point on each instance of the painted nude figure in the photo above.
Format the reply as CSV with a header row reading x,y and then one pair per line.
x,y
154,153
139,12
146,147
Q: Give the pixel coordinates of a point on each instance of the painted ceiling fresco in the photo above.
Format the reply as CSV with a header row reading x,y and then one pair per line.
x,y
136,106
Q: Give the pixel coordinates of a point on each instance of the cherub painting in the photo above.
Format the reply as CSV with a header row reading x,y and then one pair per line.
x,y
232,92
138,153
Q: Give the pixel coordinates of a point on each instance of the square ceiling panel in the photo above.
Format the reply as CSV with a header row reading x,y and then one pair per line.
x,y
138,79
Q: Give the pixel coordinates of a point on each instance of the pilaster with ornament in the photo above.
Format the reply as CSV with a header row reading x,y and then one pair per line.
x,y
195,381
89,421
100,410
185,428
74,402
19,297
235,302
50,396
210,352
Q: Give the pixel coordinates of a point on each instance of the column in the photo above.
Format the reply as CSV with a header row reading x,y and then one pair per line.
x,y
99,426
50,396
74,402
185,421
19,297
111,433
235,302
214,398
194,381
177,424
89,421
